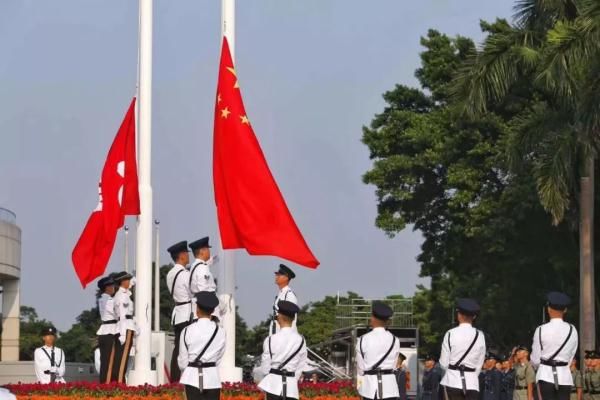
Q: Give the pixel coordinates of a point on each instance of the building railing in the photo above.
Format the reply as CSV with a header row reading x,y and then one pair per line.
x,y
8,216
357,311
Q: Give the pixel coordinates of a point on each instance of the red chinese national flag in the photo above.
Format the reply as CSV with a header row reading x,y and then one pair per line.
x,y
251,211
119,196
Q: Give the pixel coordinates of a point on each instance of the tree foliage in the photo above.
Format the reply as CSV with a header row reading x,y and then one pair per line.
x,y
448,176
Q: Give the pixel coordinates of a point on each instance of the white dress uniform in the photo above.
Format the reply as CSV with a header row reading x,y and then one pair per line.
x,y
178,284
43,365
276,350
201,279
371,348
455,344
285,294
124,310
547,339
106,307
193,340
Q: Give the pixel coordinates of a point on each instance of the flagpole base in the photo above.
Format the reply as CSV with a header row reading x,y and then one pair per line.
x,y
142,377
230,374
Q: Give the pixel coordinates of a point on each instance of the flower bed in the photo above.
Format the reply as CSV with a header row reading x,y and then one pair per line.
x,y
239,391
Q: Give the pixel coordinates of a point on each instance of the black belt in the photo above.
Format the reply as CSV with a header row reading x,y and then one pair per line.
x,y
109,322
281,372
203,365
461,368
181,303
520,387
592,392
380,371
554,363
52,375
129,317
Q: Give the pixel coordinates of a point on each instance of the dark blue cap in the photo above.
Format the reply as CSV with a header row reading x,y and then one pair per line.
x,y
106,281
200,244
121,276
287,308
382,311
178,248
430,357
558,301
207,301
49,330
285,270
467,306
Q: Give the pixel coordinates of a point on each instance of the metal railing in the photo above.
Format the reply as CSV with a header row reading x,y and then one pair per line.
x,y
8,216
356,313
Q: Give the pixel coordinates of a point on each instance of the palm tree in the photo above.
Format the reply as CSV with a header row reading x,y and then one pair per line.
x,y
553,46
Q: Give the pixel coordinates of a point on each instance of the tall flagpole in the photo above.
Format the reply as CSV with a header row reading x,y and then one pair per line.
x,y
229,373
142,373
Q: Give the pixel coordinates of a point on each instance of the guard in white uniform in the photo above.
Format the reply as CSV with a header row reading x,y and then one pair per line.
x,y
463,353
284,356
201,279
183,312
283,276
554,347
49,361
201,350
377,353
107,333
126,326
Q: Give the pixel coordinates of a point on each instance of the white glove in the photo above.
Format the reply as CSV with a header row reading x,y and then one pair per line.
x,y
122,339
53,370
132,282
213,260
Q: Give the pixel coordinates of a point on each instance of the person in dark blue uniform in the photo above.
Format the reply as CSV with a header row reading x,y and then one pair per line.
x,y
507,382
490,379
400,373
431,379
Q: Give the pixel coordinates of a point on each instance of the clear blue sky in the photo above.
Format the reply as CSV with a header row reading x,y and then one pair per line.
x,y
312,73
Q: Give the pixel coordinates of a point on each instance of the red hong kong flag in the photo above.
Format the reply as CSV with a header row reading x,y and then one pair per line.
x,y
251,211
119,196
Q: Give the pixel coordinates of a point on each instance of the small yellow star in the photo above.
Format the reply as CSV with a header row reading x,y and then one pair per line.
x,y
244,119
232,70
218,98
225,112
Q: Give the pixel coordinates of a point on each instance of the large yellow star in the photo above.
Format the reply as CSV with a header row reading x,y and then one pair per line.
x,y
244,119
225,112
232,70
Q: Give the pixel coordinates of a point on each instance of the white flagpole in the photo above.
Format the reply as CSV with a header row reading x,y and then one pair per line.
x,y
229,373
142,372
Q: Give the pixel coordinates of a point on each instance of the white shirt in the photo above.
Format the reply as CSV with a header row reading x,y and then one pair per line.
x,y
180,293
370,349
123,308
201,280
193,340
106,307
41,361
285,294
554,334
455,344
282,345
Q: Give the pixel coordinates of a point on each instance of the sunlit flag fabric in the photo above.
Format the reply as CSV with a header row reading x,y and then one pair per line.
x,y
118,197
251,210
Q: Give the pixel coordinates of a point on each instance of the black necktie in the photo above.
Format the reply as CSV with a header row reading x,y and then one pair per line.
x,y
52,362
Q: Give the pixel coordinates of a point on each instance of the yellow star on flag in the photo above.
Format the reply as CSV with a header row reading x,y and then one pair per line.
x,y
225,112
218,98
244,119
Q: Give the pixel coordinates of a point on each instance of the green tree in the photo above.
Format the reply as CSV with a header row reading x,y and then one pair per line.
x,y
79,341
447,176
30,328
552,49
